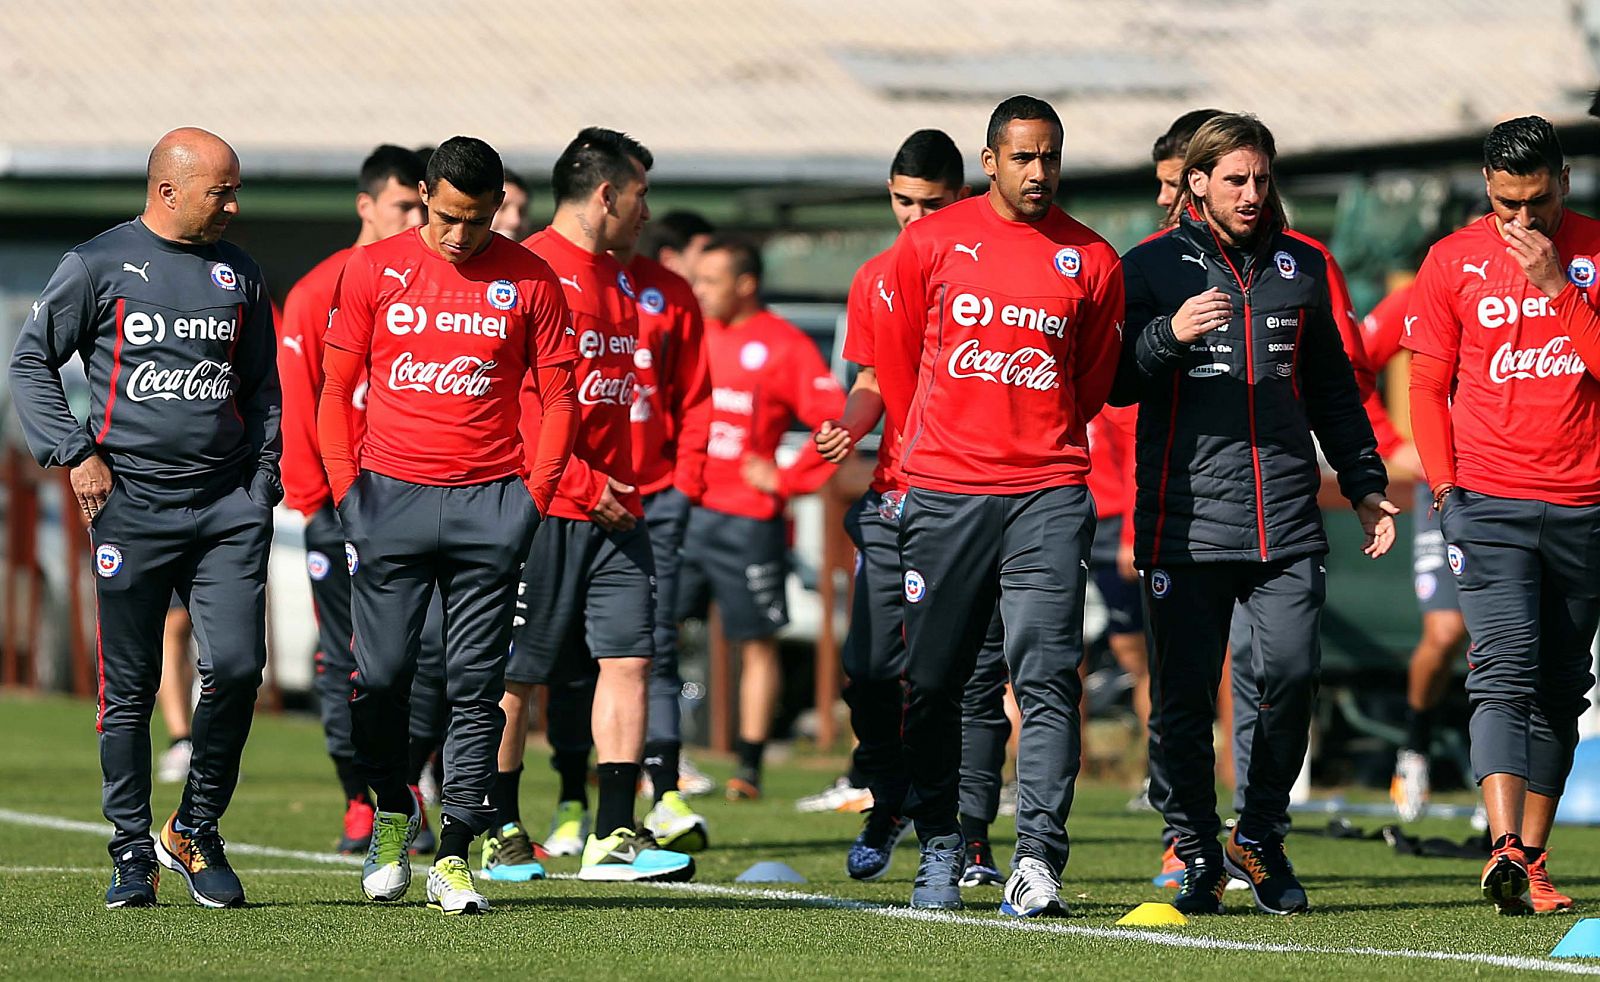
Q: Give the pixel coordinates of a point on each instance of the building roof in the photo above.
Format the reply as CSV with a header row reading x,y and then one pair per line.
x,y
773,90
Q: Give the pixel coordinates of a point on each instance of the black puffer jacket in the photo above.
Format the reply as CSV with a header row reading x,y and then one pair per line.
x,y
1227,469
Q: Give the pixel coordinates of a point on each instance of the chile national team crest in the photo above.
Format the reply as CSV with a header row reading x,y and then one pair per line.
x,y
652,301
222,275
624,284
1160,584
1458,559
1069,262
108,560
1581,272
318,565
1287,267
916,587
502,294
752,356
351,560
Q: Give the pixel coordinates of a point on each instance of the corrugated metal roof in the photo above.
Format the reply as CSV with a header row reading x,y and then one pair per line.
x,y
774,89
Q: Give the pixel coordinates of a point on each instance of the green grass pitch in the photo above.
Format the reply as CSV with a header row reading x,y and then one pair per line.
x,y
1375,915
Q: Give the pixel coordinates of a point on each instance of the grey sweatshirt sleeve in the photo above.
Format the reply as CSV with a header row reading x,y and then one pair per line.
x,y
60,324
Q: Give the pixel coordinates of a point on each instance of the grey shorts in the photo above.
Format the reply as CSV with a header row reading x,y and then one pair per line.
x,y
586,593
1430,565
742,564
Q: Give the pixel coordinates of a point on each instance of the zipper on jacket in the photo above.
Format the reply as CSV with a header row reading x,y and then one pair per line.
x,y
1250,391
1255,448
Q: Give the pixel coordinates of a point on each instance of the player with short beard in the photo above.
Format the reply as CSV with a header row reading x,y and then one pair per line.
x,y
925,176
1234,355
1168,153
1002,346
1505,411
586,609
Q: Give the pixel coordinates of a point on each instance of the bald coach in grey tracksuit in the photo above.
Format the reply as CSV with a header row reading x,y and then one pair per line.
x,y
178,346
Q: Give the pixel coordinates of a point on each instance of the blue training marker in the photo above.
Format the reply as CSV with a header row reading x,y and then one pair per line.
x,y
1582,941
1580,800
770,872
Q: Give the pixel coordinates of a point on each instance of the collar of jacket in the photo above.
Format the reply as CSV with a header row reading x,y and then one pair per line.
x,y
1203,237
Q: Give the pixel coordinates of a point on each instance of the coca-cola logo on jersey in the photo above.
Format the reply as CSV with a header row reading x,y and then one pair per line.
x,y
599,388
642,411
462,375
726,441
207,381
1554,359
1025,368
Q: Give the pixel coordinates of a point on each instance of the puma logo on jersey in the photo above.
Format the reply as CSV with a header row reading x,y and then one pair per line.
x,y
38,305
293,344
1197,260
1409,321
971,250
572,283
402,277
1482,269
887,298
141,271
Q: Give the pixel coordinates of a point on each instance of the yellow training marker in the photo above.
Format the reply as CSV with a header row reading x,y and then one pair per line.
x,y
1153,915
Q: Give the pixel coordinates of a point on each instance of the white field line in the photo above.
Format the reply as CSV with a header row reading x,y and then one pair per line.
x,y
100,871
236,848
1167,939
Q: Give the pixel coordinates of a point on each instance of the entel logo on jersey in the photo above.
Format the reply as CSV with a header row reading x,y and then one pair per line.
x,y
643,359
141,328
916,587
502,294
652,301
223,276
753,355
1581,272
1069,262
1500,311
733,401
1287,267
1160,584
318,565
1458,561
593,344
970,310
1273,323
403,319
108,561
